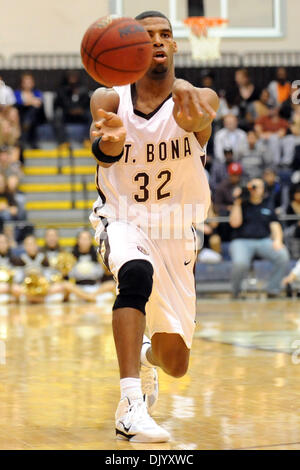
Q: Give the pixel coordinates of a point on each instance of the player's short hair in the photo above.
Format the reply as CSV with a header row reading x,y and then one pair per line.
x,y
153,14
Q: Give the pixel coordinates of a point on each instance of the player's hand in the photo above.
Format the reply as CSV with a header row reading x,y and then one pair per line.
x,y
191,102
109,127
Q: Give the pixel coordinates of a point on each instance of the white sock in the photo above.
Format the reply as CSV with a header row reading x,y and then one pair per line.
x,y
131,388
144,359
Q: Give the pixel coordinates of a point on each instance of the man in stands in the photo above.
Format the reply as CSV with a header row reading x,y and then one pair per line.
x,y
257,232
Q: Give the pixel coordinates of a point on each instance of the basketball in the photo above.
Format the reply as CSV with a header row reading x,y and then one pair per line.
x,y
116,51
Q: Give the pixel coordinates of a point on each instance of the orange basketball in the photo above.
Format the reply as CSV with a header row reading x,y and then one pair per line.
x,y
116,51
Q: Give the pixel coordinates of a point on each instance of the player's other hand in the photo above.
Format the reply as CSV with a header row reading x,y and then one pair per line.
x,y
109,127
191,102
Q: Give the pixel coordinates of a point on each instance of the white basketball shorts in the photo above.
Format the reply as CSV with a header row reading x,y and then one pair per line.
x,y
172,305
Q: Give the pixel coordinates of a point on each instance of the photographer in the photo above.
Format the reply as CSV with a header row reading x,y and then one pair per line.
x,y
257,232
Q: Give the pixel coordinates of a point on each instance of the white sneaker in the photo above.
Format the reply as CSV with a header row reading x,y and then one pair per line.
x,y
134,424
149,382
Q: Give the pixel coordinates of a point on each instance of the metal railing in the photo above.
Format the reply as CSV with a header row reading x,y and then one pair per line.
x,y
51,61
44,61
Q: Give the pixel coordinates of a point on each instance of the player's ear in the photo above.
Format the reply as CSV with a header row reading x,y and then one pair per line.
x,y
175,47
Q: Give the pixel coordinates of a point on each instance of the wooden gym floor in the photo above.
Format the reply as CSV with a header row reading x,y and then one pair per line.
x,y
59,382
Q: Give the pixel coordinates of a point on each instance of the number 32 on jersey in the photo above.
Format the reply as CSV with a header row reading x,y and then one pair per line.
x,y
159,186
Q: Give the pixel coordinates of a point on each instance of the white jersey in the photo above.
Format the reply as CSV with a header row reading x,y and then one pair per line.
x,y
160,177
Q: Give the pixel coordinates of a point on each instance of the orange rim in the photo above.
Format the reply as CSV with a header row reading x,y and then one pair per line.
x,y
205,22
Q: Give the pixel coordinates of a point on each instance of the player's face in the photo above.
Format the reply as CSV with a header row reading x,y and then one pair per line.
x,y
164,46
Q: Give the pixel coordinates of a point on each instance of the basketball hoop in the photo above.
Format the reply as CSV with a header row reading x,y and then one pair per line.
x,y
204,47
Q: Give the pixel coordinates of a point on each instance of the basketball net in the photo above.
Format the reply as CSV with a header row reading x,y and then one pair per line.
x,y
204,47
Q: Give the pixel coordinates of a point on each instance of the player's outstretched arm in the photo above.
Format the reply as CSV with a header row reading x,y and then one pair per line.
x,y
106,124
194,108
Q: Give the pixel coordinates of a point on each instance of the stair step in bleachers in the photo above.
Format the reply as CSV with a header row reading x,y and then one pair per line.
x,y
54,170
58,185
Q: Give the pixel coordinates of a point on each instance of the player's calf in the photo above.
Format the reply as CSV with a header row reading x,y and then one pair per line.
x,y
170,353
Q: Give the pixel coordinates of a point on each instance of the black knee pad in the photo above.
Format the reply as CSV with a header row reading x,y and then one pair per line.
x,y
135,280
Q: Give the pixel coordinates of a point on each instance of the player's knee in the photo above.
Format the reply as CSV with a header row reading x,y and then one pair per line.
x,y
135,281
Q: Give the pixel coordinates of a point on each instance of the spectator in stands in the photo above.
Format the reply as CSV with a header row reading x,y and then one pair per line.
x,y
9,126
87,270
7,96
226,189
208,80
8,203
10,129
231,137
270,124
273,130
224,198
227,106
219,170
280,88
5,252
254,159
6,265
257,232
12,185
292,277
259,108
292,227
29,101
52,247
209,241
291,104
273,190
8,165
247,93
32,257
71,106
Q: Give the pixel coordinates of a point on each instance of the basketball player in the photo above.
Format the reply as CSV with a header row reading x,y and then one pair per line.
x,y
149,141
